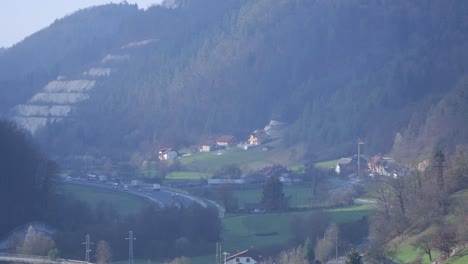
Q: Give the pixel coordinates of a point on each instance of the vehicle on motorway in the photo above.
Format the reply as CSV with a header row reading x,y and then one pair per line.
x,y
125,188
92,177
156,187
117,180
115,185
135,183
102,178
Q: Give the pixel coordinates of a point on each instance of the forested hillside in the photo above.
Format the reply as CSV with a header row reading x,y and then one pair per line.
x,y
388,72
65,47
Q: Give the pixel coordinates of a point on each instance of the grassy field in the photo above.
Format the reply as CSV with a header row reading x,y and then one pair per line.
x,y
187,175
326,164
300,195
461,258
240,231
124,203
407,253
349,214
254,158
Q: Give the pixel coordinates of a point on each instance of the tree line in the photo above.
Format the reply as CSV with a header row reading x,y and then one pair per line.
x,y
27,194
421,201
327,102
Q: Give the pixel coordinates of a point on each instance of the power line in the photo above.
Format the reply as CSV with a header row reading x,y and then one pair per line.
x,y
130,239
359,143
88,249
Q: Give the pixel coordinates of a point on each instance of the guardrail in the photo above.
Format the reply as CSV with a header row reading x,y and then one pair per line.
x,y
37,259
171,189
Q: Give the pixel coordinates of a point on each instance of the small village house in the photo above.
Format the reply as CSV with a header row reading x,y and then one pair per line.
x,y
377,165
207,146
258,137
342,165
274,128
350,165
167,154
248,256
226,141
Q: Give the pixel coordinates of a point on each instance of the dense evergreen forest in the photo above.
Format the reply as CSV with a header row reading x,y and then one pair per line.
x,y
385,71
25,185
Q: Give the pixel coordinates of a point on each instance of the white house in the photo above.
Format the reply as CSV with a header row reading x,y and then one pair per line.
x,y
248,256
167,154
207,146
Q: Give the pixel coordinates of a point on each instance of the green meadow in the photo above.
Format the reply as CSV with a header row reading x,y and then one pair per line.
x,y
123,202
251,159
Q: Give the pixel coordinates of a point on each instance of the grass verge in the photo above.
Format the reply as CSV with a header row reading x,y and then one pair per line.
x,y
460,258
299,195
123,202
187,175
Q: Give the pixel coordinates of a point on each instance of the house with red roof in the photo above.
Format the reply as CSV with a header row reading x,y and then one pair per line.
x,y
207,146
226,141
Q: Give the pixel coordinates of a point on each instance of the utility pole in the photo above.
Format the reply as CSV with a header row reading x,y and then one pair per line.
x,y
439,159
359,143
336,247
87,250
218,253
225,256
130,239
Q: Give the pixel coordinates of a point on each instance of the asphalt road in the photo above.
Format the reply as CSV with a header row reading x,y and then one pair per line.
x,y
165,197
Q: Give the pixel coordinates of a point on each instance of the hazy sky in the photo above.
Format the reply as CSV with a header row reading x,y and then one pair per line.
x,y
21,18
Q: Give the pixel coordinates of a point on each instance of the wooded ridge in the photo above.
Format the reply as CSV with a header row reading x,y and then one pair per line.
x,y
392,73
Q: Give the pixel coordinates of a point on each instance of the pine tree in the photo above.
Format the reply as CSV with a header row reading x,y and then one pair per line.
x,y
273,197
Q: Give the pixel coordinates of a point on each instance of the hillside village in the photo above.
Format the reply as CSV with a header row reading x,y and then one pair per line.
x,y
237,131
258,137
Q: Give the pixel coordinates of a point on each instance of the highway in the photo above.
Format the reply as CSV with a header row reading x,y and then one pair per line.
x,y
165,197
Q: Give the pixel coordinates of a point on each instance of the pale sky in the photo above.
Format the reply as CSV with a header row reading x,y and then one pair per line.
x,y
21,18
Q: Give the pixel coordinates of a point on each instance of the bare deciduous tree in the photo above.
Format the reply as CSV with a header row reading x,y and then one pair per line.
x,y
35,243
103,253
444,241
327,245
180,260
295,255
424,243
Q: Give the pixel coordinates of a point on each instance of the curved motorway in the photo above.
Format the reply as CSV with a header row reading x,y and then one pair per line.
x,y
165,197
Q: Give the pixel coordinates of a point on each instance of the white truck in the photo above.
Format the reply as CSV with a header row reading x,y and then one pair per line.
x,y
156,187
102,178
135,183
